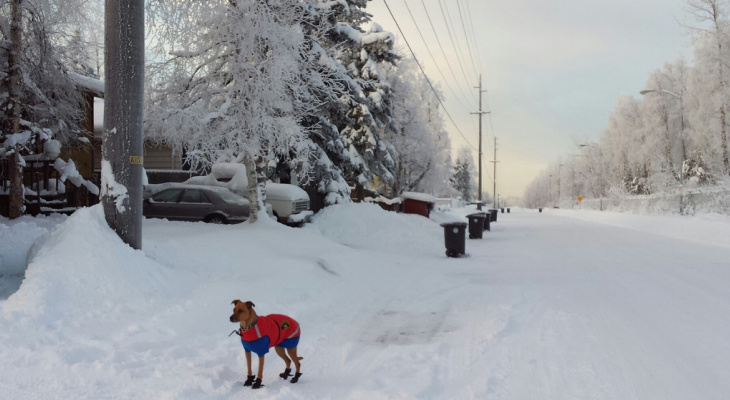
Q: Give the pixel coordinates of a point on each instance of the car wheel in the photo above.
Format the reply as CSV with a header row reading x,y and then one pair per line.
x,y
275,217
215,219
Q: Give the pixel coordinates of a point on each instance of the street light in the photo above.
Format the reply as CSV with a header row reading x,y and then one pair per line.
x,y
600,155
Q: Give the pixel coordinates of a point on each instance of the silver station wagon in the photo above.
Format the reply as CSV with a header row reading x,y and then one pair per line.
x,y
196,203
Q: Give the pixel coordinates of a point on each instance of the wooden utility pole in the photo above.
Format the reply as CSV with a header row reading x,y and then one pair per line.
x,y
480,113
122,140
15,209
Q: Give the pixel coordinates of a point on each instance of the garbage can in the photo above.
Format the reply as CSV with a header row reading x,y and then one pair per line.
x,y
476,225
507,210
540,209
502,210
487,220
454,236
493,211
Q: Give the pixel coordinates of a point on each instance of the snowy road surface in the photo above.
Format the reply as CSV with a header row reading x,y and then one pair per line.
x,y
557,305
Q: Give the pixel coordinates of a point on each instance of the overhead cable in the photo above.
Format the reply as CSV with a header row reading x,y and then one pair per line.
x,y
426,77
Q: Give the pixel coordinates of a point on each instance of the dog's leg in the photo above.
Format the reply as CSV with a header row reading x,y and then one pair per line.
x,y
257,383
287,372
249,377
293,354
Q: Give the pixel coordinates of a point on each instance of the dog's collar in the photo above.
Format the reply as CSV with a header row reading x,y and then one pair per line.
x,y
240,331
250,326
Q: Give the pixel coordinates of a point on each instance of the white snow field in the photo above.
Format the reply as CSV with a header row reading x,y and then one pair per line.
x,y
552,305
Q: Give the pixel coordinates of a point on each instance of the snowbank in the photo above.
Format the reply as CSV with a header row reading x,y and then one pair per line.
x,y
105,274
16,238
363,225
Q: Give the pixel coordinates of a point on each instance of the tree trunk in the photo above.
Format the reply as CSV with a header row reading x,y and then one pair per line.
x,y
122,140
15,164
253,188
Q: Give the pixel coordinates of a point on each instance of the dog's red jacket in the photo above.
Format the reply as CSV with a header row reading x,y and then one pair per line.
x,y
269,331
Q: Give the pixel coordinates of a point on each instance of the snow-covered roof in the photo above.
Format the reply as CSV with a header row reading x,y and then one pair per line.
x,y
425,197
88,83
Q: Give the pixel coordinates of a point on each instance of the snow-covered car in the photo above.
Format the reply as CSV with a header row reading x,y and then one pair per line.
x,y
289,203
196,203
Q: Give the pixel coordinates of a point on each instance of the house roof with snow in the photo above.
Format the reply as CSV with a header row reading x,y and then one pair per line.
x,y
93,85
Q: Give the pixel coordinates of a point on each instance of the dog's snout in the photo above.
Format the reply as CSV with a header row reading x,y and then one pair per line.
x,y
231,318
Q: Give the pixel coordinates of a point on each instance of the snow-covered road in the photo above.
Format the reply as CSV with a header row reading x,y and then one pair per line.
x,y
598,311
553,305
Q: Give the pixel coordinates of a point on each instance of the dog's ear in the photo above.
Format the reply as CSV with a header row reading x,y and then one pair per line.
x,y
234,302
250,304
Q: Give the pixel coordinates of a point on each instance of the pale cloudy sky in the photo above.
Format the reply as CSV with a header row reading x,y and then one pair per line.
x,y
553,69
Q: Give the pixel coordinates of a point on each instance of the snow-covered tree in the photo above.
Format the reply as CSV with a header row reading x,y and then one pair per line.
x,y
39,101
712,58
464,171
422,161
365,117
228,85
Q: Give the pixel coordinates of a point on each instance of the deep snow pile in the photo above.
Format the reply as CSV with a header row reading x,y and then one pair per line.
x,y
16,237
553,305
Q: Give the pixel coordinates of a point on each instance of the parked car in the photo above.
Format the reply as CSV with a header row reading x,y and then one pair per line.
x,y
195,203
289,203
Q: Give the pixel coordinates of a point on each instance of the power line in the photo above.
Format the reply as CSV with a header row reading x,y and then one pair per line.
x,y
426,76
473,34
456,48
439,43
431,54
466,37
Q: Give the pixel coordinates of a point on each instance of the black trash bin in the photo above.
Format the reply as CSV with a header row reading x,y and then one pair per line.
x,y
502,210
454,236
476,225
507,210
493,211
540,209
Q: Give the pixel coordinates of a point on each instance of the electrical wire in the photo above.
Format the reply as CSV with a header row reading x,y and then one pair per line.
x,y
433,28
453,44
473,34
466,37
432,57
426,77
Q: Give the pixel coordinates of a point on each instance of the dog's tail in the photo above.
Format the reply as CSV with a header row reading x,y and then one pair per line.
x,y
300,358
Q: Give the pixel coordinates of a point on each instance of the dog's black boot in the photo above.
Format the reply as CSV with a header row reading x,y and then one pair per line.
x,y
257,384
285,374
249,380
295,379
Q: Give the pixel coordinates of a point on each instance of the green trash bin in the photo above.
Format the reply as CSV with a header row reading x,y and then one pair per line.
x,y
455,238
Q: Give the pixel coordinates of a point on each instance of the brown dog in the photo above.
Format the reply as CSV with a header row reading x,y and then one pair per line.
x,y
260,333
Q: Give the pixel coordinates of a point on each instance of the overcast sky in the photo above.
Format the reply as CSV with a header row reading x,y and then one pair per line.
x,y
553,69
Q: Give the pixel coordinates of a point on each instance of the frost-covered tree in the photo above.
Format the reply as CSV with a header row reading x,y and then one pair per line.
x,y
463,178
713,56
228,85
422,160
364,117
39,102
